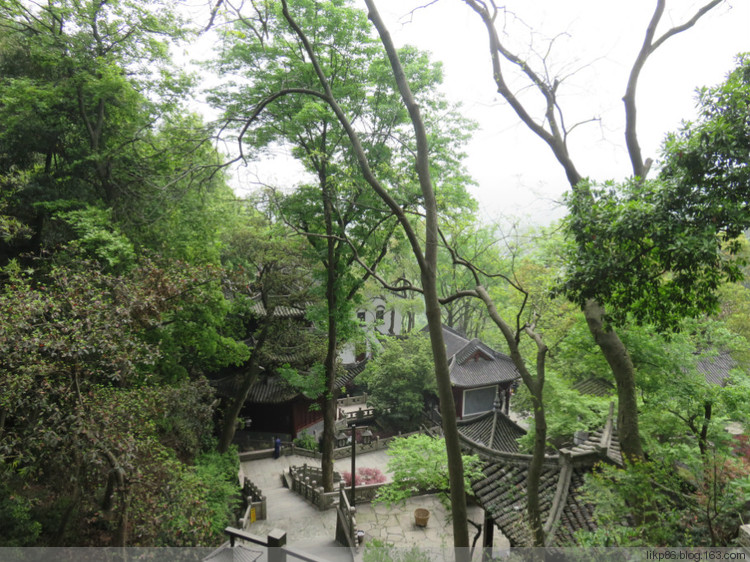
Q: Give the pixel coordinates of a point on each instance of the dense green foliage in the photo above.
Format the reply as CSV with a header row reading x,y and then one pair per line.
x,y
131,278
112,301
419,464
399,380
659,249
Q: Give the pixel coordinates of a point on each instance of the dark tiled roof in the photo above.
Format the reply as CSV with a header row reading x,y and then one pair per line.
x,y
604,441
472,363
594,386
356,368
502,489
272,389
716,369
576,514
478,365
454,340
227,386
283,357
492,429
280,311
267,389
502,492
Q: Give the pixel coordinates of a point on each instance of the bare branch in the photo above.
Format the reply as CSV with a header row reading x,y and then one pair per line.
x,y
687,25
648,47
553,137
214,12
413,11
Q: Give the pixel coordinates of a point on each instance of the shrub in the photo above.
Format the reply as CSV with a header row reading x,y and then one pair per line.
x,y
364,477
420,463
347,476
306,441
371,475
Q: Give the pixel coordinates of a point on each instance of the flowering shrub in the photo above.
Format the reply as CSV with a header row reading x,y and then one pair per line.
x,y
347,476
364,476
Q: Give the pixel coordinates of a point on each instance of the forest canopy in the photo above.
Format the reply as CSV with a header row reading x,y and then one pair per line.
x,y
134,281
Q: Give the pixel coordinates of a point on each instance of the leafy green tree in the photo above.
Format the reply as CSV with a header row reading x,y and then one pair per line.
x,y
419,463
325,210
342,219
682,507
88,434
657,251
706,160
93,112
399,380
689,492
426,257
270,271
553,130
629,237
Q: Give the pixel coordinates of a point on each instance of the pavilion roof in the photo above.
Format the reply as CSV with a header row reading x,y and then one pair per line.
x,y
493,429
502,489
716,368
472,363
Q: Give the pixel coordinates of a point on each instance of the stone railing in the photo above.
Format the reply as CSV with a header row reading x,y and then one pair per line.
x,y
305,482
346,451
346,523
314,473
352,401
362,413
364,493
256,505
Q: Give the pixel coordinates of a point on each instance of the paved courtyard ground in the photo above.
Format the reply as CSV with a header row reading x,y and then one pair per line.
x,y
314,530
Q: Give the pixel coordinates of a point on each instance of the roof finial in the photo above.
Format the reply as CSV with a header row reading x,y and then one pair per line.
x,y
498,403
496,406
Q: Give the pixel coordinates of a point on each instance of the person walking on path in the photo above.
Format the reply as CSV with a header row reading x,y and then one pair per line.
x,y
277,448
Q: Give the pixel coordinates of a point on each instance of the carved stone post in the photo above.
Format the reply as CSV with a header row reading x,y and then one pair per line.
x,y
276,540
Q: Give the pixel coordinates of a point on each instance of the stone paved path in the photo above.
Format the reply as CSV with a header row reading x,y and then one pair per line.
x,y
313,530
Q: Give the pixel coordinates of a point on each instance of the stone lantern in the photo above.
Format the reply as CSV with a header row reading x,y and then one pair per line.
x,y
367,437
341,439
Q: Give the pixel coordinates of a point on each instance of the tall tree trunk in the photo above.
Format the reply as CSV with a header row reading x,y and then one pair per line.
x,y
535,467
67,515
619,361
427,260
535,384
552,131
448,410
231,412
123,491
428,271
121,538
329,404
